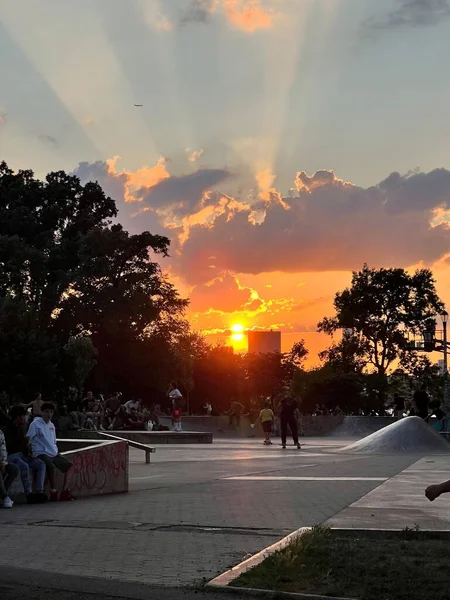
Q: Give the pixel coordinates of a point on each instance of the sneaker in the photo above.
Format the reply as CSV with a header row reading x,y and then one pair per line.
x,y
7,502
31,498
54,496
283,447
41,498
66,496
299,447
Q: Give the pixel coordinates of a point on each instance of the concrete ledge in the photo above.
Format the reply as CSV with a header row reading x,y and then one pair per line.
x,y
151,437
99,467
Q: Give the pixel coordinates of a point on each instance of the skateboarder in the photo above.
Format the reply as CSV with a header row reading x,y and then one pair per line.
x,y
266,417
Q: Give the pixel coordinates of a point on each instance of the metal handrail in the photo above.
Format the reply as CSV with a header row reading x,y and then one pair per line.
x,y
148,450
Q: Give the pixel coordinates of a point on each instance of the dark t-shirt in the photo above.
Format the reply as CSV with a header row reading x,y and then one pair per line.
x,y
236,408
399,402
16,440
88,404
288,408
421,399
113,404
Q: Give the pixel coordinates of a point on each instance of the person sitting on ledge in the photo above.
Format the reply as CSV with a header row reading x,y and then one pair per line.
x,y
114,413
434,491
134,421
19,455
42,436
8,474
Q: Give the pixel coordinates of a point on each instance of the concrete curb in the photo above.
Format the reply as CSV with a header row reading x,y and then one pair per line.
x,y
222,582
226,578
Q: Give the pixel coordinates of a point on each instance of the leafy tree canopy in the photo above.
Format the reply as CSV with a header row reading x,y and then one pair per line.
x,y
381,307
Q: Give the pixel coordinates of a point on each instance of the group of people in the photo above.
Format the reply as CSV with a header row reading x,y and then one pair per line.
x,y
95,413
289,417
30,450
421,405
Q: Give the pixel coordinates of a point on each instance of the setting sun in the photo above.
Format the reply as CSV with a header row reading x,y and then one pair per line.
x,y
237,332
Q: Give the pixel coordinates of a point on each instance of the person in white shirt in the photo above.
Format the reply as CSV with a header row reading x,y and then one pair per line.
x,y
133,405
8,473
42,436
174,394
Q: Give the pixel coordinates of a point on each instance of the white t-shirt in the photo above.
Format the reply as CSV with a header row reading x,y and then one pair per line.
x,y
132,404
175,394
42,436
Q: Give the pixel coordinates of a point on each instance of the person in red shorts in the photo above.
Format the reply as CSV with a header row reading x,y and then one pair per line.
x,y
176,416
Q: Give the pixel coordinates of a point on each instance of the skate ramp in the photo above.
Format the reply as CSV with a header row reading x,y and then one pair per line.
x,y
361,426
409,436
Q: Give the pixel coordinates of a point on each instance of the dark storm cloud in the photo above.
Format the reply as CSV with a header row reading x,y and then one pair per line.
x,y
329,226
199,11
413,13
184,194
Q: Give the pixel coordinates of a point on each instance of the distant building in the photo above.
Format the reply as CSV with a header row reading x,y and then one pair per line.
x,y
264,341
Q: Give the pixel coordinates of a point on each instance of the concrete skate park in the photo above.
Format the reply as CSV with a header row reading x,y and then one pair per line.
x,y
200,508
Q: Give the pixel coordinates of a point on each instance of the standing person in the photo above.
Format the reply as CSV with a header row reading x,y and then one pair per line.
x,y
399,406
235,412
289,415
176,418
42,436
19,455
421,400
36,406
8,474
113,411
208,409
266,417
176,397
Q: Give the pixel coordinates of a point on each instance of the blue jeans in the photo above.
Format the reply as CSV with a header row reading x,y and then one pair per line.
x,y
25,464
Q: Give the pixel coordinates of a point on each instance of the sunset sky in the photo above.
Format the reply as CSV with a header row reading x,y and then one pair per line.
x,y
281,143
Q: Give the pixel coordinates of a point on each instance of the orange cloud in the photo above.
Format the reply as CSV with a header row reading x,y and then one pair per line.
x,y
145,177
247,15
194,154
265,180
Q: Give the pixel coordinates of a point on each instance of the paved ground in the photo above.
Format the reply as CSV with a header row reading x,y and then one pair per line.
x,y
400,501
193,513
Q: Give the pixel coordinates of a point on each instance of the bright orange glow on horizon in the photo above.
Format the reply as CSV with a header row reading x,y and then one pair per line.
x,y
237,335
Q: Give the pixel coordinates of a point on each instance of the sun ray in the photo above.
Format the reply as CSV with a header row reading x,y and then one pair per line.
x,y
85,77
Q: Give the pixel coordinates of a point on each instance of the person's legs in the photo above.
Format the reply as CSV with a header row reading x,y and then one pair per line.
x,y
7,477
2,486
74,419
50,470
38,467
294,430
283,426
18,459
64,465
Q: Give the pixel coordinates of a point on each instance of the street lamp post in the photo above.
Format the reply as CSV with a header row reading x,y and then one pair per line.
x,y
444,317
